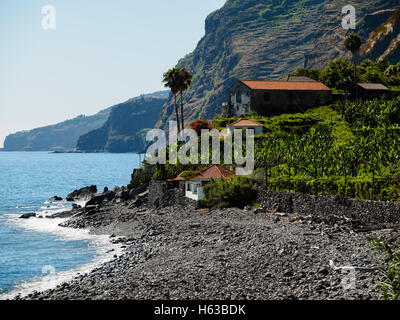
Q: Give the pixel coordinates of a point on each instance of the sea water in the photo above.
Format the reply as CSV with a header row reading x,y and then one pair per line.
x,y
35,253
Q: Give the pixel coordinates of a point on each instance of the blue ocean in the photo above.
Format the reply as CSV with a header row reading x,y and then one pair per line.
x,y
36,254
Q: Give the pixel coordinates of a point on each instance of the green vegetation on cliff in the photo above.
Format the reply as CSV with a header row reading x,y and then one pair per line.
x,y
254,39
355,155
339,74
348,149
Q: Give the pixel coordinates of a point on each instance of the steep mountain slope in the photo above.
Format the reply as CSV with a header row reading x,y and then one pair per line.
x,y
384,41
265,40
64,136
125,128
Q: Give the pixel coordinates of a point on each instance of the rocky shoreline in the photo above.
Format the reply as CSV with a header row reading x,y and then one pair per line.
x,y
174,250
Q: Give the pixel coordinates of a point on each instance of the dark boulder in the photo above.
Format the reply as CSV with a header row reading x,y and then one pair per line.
x,y
99,198
134,192
123,193
85,192
55,198
27,215
64,214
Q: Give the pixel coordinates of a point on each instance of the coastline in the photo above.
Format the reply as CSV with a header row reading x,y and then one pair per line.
x,y
28,181
176,251
51,281
44,222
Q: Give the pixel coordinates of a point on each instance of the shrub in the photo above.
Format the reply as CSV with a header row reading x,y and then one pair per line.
x,y
199,124
141,176
389,268
373,75
233,192
339,74
310,73
359,188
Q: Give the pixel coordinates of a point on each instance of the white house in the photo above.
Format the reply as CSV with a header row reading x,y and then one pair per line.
x,y
246,124
193,184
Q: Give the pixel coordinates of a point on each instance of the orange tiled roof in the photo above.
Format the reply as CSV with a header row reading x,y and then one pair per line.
x,y
245,123
214,172
180,177
286,85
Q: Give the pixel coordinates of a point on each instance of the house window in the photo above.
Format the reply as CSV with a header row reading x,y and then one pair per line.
x,y
266,96
238,97
189,187
195,188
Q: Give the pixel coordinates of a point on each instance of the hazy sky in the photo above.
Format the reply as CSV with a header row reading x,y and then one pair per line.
x,y
102,52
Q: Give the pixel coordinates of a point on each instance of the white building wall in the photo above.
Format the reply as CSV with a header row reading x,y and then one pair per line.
x,y
242,107
191,194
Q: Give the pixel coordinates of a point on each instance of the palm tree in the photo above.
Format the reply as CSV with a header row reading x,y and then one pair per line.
x,y
170,79
353,44
184,82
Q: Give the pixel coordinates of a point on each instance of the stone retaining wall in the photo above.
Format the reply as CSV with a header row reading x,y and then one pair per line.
x,y
365,211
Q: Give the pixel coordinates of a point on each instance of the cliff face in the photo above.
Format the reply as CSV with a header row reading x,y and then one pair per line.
x,y
254,39
384,41
126,127
62,136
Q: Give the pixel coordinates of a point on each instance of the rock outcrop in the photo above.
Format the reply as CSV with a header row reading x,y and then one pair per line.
x,y
55,198
27,215
384,41
86,192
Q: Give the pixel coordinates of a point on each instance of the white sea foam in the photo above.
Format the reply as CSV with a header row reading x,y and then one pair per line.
x,y
82,201
50,279
22,207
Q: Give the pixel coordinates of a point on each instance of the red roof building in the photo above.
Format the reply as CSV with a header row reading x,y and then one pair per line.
x,y
214,172
193,181
286,85
276,97
245,123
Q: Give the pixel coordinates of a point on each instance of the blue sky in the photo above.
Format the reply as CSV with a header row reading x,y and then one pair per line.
x,y
102,52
